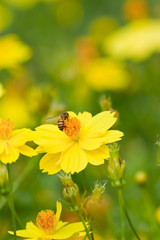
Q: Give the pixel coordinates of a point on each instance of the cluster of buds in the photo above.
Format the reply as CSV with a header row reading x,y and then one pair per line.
x,y
70,190
106,105
4,187
116,167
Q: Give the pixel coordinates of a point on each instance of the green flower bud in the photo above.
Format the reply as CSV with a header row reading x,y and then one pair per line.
x,y
70,190
116,166
4,188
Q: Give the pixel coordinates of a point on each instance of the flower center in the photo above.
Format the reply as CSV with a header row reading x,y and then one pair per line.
x,y
72,127
6,127
46,220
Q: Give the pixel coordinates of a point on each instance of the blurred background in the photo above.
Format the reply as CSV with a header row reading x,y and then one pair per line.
x,y
59,55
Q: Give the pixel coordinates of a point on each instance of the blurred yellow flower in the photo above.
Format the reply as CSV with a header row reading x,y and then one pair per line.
x,y
137,41
13,51
48,226
5,17
82,141
106,74
16,108
12,142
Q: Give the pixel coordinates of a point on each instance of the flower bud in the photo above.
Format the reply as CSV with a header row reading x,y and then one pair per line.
x,y
116,166
141,178
4,188
95,203
106,105
70,190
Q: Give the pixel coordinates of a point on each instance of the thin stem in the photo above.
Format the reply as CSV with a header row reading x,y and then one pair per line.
x,y
84,224
16,216
11,200
127,216
122,215
85,237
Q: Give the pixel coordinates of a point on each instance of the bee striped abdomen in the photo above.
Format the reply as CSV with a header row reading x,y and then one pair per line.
x,y
60,124
62,118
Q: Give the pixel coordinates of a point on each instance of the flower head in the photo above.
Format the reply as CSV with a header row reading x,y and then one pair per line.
x,y
48,226
12,142
137,41
82,141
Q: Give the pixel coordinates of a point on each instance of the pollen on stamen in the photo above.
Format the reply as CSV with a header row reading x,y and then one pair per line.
x,y
72,127
46,220
6,127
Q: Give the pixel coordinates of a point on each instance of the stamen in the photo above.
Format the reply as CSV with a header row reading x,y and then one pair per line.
x,y
72,127
47,221
6,127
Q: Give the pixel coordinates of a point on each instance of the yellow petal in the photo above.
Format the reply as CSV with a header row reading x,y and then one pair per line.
x,y
27,151
101,122
74,159
11,155
59,210
91,142
2,146
50,163
113,136
96,157
85,119
20,136
61,224
52,139
31,231
68,230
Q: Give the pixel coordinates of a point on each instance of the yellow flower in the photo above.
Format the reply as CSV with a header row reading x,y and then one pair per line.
x,y
103,73
13,51
48,226
137,41
12,142
82,141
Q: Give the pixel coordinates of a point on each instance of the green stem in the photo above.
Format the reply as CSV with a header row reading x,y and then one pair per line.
x,y
127,216
122,215
84,224
15,214
85,237
11,200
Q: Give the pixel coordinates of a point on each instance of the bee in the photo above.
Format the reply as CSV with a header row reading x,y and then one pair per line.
x,y
62,117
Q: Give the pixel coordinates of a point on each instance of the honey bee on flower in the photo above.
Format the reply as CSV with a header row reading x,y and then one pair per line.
x,y
82,140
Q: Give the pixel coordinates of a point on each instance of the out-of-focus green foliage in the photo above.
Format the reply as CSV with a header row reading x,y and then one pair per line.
x,y
56,55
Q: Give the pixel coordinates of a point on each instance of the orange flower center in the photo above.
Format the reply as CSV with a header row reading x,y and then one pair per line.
x,y
46,220
72,127
6,127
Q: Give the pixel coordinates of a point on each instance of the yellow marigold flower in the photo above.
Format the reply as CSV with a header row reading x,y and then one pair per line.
x,y
13,51
12,142
102,74
137,41
48,226
82,141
